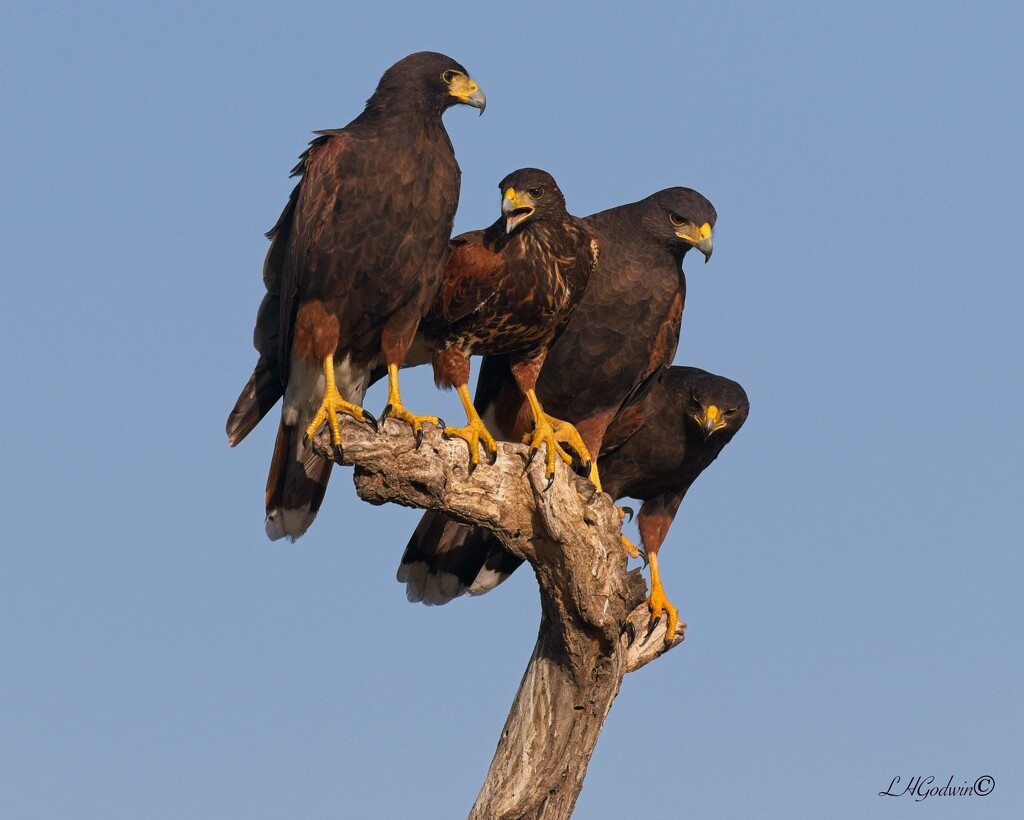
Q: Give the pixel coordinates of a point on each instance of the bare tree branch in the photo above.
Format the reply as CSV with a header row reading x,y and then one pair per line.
x,y
570,535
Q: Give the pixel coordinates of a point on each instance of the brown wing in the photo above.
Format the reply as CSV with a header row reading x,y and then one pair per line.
x,y
467,281
369,237
266,384
621,313
623,427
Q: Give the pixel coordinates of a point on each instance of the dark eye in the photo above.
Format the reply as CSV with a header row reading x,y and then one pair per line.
x,y
730,412
535,193
449,76
676,220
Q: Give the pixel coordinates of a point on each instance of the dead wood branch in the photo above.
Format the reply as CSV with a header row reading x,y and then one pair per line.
x,y
570,535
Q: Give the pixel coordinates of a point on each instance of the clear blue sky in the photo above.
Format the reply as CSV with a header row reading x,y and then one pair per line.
x,y
850,568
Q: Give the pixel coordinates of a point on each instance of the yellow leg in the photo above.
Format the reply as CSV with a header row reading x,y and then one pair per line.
x,y
396,410
568,435
658,602
332,404
544,433
629,545
474,432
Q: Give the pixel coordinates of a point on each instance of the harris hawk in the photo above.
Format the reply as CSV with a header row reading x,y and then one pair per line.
x,y
653,451
354,262
510,288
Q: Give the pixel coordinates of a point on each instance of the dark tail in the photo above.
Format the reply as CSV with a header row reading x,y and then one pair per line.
x,y
259,395
296,485
445,559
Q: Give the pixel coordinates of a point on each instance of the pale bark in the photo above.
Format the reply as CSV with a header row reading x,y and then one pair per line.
x,y
570,535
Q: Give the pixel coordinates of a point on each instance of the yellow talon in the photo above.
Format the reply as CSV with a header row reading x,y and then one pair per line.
x,y
630,546
544,434
567,434
658,602
396,410
331,404
474,432
545,430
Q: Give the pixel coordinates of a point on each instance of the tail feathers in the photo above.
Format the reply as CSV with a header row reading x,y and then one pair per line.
x,y
445,559
497,566
296,485
260,394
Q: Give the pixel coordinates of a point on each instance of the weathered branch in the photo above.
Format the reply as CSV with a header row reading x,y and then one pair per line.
x,y
570,534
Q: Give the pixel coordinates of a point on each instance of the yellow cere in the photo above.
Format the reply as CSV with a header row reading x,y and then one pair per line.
x,y
691,233
462,86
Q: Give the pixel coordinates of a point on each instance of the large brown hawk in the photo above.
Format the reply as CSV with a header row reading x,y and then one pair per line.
x,y
354,263
510,288
653,451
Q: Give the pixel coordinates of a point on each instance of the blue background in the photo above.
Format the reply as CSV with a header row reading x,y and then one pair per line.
x,y
850,568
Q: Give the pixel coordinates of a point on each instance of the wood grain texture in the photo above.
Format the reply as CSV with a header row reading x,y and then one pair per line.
x,y
570,535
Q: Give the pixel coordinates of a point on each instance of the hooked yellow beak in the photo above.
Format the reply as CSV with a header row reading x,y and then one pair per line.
x,y
467,92
515,207
710,420
700,238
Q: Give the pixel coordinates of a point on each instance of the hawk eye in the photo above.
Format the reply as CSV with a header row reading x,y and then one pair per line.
x,y
730,412
536,193
449,75
676,220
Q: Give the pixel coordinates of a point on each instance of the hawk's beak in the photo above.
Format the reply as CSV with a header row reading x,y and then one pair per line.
x,y
515,207
709,421
467,92
700,238
705,246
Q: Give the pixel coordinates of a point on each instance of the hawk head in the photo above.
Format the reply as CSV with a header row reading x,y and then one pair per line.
x,y
428,81
683,219
717,404
529,194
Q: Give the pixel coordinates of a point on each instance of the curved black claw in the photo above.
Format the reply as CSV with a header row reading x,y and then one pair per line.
x,y
385,412
440,424
654,625
339,454
627,511
472,466
305,439
494,457
630,631
551,480
533,453
369,419
419,438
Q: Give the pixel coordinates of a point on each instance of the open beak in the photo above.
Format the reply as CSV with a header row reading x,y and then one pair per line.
x,y
515,207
